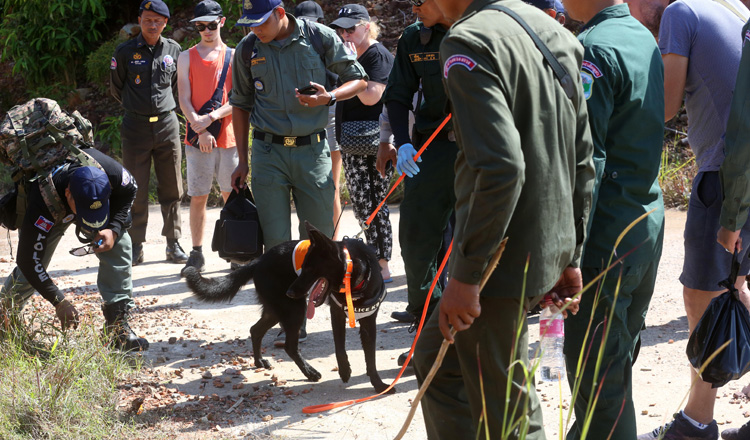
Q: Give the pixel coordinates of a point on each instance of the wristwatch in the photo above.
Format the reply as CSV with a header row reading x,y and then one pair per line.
x,y
333,99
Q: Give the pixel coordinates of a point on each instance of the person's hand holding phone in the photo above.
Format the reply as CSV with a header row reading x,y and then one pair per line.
x,y
312,95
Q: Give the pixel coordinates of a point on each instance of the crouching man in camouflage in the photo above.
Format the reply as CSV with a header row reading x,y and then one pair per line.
x,y
97,199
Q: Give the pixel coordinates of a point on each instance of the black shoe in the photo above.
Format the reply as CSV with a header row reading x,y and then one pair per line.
x,y
743,433
404,317
137,255
117,328
195,260
681,429
402,358
175,253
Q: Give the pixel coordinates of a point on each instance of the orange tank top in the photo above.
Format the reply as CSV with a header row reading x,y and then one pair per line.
x,y
204,78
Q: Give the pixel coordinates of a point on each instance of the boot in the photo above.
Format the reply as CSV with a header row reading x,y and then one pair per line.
x,y
175,253
117,328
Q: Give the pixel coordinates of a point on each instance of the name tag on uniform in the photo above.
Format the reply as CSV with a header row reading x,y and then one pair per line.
x,y
261,60
424,56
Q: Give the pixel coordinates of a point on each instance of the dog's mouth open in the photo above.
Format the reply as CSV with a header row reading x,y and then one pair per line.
x,y
316,296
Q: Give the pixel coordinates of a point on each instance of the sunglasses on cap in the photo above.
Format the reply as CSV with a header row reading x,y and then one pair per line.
x,y
417,2
200,27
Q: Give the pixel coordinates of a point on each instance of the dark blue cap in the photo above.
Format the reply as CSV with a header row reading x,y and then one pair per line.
x,y
256,12
542,4
207,10
157,6
90,189
308,9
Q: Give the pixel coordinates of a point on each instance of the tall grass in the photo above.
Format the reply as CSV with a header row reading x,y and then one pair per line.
x,y
58,385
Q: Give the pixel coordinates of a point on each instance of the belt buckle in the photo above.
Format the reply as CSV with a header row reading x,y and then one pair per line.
x,y
290,141
153,119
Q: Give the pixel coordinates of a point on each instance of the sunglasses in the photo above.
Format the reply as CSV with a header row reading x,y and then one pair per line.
x,y
85,250
417,2
349,31
200,27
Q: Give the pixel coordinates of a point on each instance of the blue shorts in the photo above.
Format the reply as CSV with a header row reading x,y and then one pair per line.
x,y
706,261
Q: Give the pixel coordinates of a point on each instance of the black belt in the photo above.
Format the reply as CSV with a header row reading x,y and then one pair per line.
x,y
289,141
152,118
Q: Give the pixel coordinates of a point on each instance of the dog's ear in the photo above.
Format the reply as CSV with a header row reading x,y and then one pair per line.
x,y
318,238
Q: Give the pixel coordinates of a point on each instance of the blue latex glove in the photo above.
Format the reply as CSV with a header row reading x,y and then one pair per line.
x,y
405,163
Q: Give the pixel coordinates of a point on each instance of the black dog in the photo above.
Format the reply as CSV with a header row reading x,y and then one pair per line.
x,y
282,294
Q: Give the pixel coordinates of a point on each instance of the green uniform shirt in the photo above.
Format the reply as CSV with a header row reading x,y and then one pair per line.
x,y
144,78
524,169
735,180
623,80
417,62
266,90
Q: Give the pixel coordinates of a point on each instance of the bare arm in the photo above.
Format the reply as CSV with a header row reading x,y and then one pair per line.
x,y
675,77
372,93
241,125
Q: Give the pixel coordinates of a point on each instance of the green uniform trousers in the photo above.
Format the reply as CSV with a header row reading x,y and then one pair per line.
x,y
142,142
614,410
453,402
303,171
114,278
428,203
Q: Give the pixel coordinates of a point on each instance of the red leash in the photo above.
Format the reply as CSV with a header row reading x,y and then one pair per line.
x,y
401,177
329,406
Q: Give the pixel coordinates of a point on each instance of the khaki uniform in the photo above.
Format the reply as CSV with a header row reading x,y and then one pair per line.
x,y
280,166
144,80
524,171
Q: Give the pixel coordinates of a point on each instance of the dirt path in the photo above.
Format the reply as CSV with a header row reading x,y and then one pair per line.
x,y
199,365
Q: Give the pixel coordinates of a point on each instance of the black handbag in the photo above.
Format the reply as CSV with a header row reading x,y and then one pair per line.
x,y
360,137
726,320
212,104
238,237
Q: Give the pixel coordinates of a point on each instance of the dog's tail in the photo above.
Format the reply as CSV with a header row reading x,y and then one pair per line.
x,y
222,289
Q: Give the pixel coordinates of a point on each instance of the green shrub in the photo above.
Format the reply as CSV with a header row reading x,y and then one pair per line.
x,y
98,62
48,39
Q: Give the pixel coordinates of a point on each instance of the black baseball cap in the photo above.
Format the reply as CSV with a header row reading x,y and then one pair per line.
x,y
90,189
308,9
157,6
542,4
351,15
207,10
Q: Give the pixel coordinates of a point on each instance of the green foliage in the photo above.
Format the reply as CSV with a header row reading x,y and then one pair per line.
x,y
48,39
60,385
98,62
108,133
676,173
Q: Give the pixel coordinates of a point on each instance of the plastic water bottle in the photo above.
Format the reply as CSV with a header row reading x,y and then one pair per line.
x,y
552,335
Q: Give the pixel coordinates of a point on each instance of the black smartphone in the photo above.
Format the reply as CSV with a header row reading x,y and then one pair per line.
x,y
308,90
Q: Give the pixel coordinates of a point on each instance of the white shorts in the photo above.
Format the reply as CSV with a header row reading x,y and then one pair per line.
x,y
203,167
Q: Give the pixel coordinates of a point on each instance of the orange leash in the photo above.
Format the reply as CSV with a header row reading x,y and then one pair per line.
x,y
348,288
329,406
401,177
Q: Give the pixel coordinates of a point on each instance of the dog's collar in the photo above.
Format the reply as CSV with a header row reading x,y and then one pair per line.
x,y
366,309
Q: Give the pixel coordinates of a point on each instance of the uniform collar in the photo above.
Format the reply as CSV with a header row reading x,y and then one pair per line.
x,y
475,6
616,11
140,41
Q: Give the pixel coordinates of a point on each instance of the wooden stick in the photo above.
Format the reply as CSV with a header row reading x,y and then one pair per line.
x,y
444,346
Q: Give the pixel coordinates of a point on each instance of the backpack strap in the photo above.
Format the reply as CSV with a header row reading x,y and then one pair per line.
x,y
563,77
247,50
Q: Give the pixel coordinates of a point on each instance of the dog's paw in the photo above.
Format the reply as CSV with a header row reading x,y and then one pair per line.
x,y
263,364
379,388
312,374
345,372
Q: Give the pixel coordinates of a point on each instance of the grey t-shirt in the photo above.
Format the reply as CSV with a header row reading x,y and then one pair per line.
x,y
709,34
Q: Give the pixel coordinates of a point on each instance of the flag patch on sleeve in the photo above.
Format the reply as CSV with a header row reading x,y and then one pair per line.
x,y
44,224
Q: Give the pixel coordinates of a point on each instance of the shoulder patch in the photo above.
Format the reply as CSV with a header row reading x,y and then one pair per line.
x,y
113,63
44,224
461,60
588,84
591,67
126,177
747,37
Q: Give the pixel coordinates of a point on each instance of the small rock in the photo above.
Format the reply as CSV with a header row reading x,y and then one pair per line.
x,y
161,359
644,412
164,348
207,375
267,418
172,340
